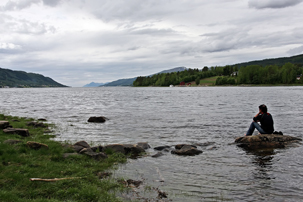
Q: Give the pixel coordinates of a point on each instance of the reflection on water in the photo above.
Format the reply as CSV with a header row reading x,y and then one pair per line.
x,y
210,118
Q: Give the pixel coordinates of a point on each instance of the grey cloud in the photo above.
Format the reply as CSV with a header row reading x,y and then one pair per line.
x,y
18,5
51,3
295,51
138,10
12,25
261,4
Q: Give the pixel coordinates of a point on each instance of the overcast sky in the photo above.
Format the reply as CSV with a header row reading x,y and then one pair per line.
x,y
76,42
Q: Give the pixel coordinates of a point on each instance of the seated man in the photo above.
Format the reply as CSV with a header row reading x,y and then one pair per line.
x,y
267,123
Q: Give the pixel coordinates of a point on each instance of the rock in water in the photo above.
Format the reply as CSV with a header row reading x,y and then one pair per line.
x,y
186,150
97,119
266,141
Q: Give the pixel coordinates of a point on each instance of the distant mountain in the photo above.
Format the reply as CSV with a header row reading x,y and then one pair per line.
x,y
129,82
93,84
297,59
22,79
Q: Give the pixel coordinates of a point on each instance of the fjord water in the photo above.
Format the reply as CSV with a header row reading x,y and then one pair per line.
x,y
211,117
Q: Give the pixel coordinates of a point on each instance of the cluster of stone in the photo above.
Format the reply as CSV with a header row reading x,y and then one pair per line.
x,y
7,128
98,152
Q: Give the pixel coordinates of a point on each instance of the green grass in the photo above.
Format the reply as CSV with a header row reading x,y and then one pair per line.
x,y
209,81
19,163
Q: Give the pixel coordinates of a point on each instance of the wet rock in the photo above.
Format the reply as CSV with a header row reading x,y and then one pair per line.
x,y
18,131
157,155
133,149
144,145
36,145
266,141
160,148
36,124
161,194
4,124
179,146
115,148
136,183
125,148
42,119
97,119
11,142
186,150
82,144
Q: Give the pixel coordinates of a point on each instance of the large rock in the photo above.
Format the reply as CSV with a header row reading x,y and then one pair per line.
x,y
82,144
186,150
4,124
266,141
97,119
18,131
144,145
125,148
36,145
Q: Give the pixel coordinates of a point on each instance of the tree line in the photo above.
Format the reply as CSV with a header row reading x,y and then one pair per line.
x,y
228,75
270,74
188,75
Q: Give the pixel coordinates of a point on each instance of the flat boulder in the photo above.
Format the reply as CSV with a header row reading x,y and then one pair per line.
x,y
186,150
97,119
36,145
19,131
266,141
4,124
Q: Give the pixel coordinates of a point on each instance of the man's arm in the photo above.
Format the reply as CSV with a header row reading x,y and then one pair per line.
x,y
256,117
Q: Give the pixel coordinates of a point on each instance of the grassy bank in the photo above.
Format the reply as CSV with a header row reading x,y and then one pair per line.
x,y
19,163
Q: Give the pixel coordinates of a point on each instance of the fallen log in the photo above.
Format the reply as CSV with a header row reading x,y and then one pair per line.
x,y
54,179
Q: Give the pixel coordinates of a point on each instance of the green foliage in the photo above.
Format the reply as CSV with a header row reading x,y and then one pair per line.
x,y
271,74
19,163
22,79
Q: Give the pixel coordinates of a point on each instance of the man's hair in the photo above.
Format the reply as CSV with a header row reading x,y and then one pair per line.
x,y
263,108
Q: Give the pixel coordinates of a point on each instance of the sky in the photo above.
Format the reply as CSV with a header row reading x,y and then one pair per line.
x,y
76,42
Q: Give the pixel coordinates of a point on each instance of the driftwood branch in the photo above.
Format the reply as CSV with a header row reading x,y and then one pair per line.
x,y
54,179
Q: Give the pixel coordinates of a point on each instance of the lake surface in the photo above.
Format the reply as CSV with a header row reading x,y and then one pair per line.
x,y
211,117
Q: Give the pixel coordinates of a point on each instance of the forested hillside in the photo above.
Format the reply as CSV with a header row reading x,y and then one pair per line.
x,y
22,79
269,71
298,59
175,78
